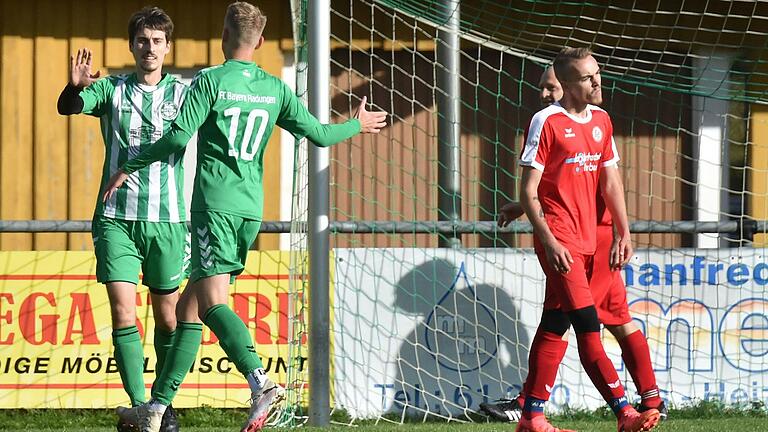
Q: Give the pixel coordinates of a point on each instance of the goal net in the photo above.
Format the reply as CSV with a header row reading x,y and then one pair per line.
x,y
423,330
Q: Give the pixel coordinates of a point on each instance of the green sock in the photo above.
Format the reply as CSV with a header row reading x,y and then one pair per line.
x,y
234,337
163,342
180,358
129,355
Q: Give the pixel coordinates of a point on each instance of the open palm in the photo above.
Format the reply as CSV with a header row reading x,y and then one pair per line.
x,y
370,121
80,69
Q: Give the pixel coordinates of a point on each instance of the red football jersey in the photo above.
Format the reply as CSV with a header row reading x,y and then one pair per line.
x,y
570,151
603,215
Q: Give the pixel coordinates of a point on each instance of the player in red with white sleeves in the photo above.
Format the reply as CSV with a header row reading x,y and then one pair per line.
x,y
569,151
608,292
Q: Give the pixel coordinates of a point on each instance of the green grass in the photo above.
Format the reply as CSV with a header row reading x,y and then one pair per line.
x,y
706,416
708,425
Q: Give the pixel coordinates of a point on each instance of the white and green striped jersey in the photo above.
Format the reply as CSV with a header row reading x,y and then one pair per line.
x,y
133,116
234,108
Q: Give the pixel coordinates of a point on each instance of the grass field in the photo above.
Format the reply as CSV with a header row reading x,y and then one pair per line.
x,y
709,418
709,425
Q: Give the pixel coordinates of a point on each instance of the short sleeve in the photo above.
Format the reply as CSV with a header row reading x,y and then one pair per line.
x,y
294,116
538,141
97,97
610,153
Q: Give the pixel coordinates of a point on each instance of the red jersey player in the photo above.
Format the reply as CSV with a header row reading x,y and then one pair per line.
x,y
608,292
569,150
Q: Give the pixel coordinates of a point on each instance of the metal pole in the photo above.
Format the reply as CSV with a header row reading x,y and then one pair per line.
x,y
319,35
710,122
747,227
449,122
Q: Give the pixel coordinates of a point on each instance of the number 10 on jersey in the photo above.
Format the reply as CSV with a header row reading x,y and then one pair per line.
x,y
249,143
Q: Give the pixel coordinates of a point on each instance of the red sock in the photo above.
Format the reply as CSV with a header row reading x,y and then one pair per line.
x,y
599,367
637,357
547,351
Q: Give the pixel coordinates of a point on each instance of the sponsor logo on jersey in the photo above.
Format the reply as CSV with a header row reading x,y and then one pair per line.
x,y
597,134
249,98
584,161
145,133
169,110
569,133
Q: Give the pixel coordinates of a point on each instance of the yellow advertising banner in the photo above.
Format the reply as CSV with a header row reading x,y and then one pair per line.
x,y
56,335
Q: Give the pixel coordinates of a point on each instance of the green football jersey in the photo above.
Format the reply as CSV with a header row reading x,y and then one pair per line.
x,y
234,108
133,116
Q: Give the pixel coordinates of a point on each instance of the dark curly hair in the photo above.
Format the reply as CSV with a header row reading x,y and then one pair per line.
x,y
151,17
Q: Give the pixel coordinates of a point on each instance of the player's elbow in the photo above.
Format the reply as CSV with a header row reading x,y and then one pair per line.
x,y
63,109
610,186
321,143
69,101
526,199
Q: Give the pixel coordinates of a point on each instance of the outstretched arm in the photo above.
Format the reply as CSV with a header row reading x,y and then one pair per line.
x,y
173,141
364,121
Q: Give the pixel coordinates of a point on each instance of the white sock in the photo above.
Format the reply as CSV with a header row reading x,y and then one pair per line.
x,y
156,406
256,380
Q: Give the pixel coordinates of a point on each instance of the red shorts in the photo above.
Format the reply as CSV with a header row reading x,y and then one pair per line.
x,y
590,282
568,291
607,286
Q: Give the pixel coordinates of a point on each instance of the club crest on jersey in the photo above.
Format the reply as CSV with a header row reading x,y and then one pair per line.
x,y
169,110
597,134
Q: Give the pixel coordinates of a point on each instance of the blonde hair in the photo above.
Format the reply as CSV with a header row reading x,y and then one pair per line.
x,y
245,22
565,57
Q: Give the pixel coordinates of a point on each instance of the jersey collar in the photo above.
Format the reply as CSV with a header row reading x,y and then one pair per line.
x,y
582,120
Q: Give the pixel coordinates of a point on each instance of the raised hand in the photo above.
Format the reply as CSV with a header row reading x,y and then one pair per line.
x,y
80,69
370,121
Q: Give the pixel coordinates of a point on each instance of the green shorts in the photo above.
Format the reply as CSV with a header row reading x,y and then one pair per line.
x,y
159,249
220,244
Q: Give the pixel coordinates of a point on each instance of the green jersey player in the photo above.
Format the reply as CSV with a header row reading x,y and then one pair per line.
x,y
141,228
234,108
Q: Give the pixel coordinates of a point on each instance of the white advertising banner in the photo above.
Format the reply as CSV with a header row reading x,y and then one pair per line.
x,y
439,331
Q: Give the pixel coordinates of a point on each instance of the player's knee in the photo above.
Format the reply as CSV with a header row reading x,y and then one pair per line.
x,y
123,315
166,321
623,330
584,320
555,321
